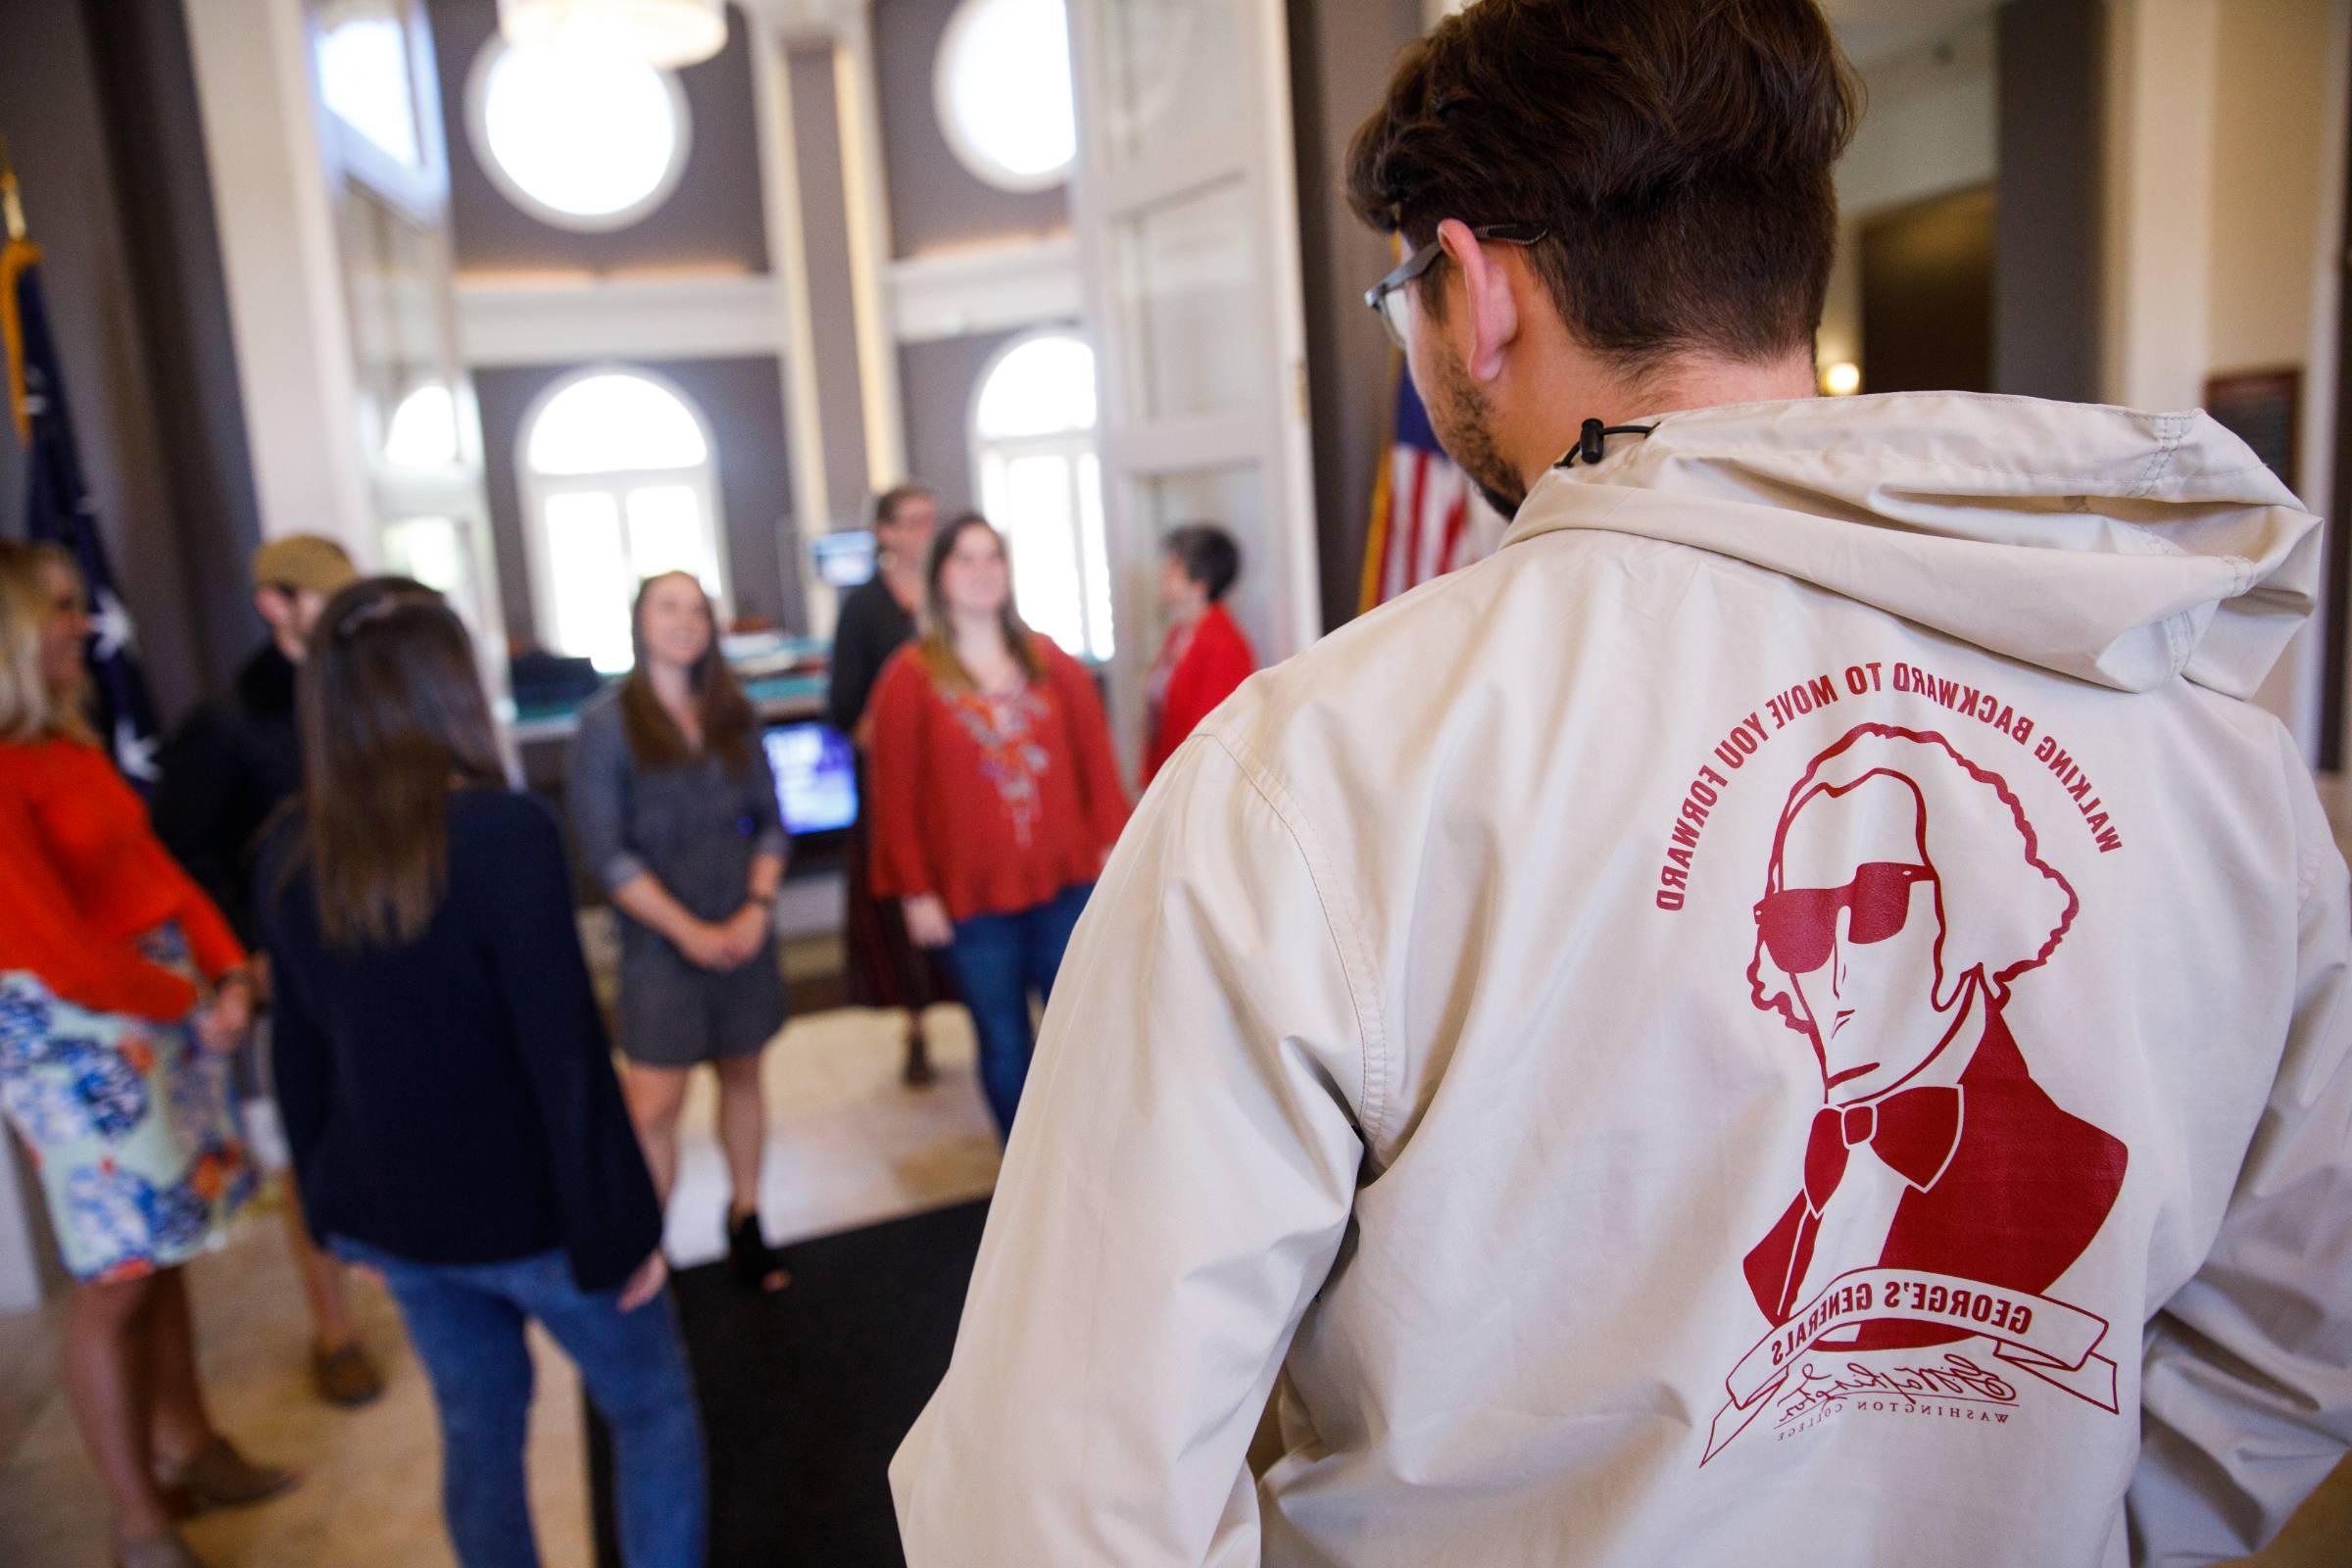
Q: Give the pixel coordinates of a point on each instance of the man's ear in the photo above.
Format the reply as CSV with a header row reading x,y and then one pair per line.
x,y
1480,288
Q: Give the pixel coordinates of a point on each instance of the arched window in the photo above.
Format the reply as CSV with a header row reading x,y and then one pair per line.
x,y
1033,449
618,483
1004,93
584,139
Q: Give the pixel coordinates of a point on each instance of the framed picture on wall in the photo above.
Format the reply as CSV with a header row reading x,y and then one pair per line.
x,y
2261,409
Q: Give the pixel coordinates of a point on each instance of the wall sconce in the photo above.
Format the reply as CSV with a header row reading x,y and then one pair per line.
x,y
1842,379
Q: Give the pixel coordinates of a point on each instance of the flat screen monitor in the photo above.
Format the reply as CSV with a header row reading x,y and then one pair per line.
x,y
816,777
843,559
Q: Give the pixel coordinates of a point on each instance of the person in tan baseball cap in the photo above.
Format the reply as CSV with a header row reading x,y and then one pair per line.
x,y
225,771
293,578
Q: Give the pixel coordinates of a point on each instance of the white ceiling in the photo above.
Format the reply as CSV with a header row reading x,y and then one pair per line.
x,y
1872,30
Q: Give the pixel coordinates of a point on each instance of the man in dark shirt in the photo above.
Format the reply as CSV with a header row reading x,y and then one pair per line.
x,y
885,969
229,766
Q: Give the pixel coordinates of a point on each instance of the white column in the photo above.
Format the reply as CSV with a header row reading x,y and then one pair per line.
x,y
865,189
2160,105
788,261
278,251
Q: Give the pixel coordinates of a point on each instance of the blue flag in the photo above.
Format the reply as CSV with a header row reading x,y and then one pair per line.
x,y
58,508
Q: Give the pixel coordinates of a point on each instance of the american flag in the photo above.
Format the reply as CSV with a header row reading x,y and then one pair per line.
x,y
58,508
1426,517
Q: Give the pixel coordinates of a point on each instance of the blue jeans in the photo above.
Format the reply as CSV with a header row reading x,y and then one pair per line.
x,y
998,959
467,1322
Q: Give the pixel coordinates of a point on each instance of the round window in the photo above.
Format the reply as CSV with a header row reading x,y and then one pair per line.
x,y
1003,92
583,139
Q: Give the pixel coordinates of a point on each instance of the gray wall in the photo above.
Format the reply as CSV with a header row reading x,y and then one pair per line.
x,y
934,200
939,379
2047,262
832,290
936,203
101,118
712,220
1343,53
744,401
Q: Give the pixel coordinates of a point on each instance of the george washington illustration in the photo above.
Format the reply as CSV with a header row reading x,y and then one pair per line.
x,y
1904,899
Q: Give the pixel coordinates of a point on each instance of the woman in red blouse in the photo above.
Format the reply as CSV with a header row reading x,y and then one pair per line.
x,y
997,798
1207,655
122,995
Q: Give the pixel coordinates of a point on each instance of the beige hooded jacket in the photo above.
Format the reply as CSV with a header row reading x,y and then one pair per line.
x,y
1796,1015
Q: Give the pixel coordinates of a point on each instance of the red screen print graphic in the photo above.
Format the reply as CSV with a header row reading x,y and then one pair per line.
x,y
1942,1189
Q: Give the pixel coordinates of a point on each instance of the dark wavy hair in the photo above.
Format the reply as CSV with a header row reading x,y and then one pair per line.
x,y
1677,153
936,648
728,719
1208,556
393,719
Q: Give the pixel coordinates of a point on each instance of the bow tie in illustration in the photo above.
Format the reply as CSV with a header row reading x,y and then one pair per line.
x,y
1914,1132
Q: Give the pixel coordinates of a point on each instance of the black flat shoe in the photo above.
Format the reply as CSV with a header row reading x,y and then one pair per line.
x,y
755,1265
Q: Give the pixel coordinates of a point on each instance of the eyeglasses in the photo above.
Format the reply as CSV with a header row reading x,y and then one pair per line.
x,y
1388,298
1799,924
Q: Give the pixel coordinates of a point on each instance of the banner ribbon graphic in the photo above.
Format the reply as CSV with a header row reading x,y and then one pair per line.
x,y
2043,1338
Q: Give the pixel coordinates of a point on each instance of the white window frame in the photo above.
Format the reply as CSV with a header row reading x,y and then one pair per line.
x,y
535,490
993,455
421,188
477,132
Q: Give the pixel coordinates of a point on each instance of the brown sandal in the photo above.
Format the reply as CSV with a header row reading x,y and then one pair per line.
x,y
219,1477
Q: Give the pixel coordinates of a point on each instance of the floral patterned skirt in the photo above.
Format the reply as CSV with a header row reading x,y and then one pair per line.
x,y
133,1126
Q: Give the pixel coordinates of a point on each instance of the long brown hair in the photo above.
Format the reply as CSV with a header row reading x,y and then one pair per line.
x,y
654,739
938,647
30,711
393,719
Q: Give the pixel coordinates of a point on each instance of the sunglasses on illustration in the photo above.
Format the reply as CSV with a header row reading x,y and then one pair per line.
x,y
1800,924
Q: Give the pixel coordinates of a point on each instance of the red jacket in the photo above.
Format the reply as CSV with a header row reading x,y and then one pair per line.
x,y
1208,669
82,878
993,805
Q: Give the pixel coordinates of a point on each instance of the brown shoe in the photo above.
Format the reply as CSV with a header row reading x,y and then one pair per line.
x,y
346,1378
219,1477
165,1550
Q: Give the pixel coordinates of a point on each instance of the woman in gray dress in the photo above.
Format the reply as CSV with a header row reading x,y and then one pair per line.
x,y
676,810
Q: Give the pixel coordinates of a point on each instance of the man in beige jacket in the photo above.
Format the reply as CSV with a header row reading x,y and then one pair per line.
x,y
1796,1015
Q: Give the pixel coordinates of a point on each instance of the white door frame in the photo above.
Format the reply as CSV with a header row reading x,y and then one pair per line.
x,y
1267,430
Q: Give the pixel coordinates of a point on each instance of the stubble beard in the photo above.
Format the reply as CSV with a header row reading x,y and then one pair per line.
x,y
1463,418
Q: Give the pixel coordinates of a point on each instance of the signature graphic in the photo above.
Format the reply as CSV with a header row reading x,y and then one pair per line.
x,y
1956,1379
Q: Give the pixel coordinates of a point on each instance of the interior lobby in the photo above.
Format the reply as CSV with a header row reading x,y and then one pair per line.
x,y
532,324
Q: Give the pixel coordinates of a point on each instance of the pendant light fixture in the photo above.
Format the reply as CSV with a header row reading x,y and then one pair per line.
x,y
664,33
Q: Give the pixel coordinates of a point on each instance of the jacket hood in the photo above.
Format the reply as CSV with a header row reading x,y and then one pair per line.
x,y
2114,545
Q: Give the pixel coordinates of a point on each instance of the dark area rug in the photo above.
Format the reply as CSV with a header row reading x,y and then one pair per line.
x,y
808,1394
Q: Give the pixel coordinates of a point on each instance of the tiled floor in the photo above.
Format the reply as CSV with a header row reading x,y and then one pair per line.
x,y
849,1145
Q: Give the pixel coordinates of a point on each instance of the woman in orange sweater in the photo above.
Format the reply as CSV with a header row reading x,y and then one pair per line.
x,y
121,994
996,797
